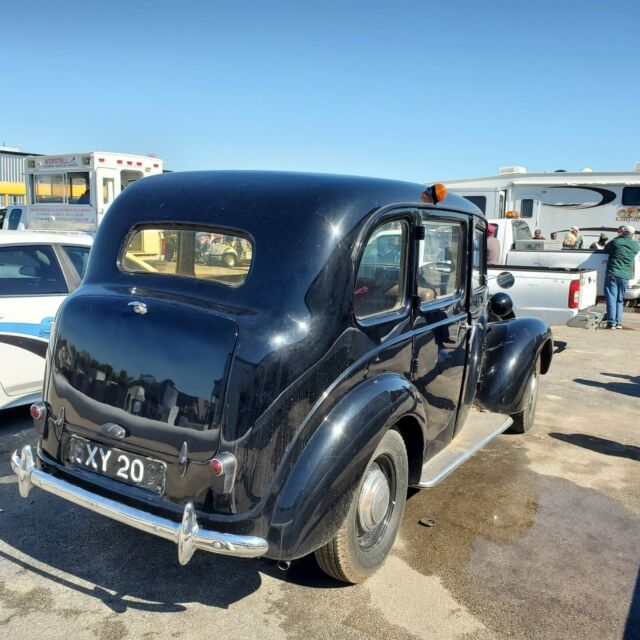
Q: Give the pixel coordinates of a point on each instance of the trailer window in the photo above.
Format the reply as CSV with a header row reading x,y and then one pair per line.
x,y
631,196
108,189
61,188
48,189
479,201
190,252
78,190
526,208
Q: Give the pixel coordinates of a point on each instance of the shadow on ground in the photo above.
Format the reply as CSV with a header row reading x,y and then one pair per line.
x,y
600,445
632,628
629,388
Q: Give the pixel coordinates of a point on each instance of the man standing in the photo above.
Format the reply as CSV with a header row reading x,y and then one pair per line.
x,y
493,245
622,252
579,238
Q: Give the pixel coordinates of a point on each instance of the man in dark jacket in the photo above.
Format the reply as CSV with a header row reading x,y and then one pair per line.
x,y
622,252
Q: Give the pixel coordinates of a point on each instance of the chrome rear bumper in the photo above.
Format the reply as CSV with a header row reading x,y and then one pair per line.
x,y
186,534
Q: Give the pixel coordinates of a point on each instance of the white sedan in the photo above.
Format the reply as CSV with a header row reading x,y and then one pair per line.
x,y
37,271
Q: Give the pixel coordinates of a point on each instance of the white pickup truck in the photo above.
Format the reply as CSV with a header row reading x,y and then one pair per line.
x,y
521,249
556,291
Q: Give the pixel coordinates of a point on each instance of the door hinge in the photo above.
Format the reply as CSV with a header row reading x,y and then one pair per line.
x,y
420,233
414,366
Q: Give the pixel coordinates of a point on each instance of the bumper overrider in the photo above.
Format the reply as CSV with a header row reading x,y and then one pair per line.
x,y
186,534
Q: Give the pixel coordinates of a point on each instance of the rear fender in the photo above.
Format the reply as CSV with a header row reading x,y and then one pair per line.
x,y
512,348
319,488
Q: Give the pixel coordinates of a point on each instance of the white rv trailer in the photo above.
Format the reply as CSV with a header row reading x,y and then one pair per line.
x,y
554,202
74,191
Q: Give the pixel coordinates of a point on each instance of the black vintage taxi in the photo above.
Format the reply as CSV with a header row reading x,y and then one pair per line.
x,y
283,404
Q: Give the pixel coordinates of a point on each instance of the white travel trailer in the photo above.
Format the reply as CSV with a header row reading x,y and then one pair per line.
x,y
554,202
74,191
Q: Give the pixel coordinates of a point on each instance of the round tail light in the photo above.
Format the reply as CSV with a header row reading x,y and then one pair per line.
x,y
36,410
217,467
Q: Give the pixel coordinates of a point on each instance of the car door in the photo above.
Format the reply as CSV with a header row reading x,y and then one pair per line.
x,y
440,321
478,299
32,287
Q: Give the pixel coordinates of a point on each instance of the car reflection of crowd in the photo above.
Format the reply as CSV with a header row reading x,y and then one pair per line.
x,y
143,396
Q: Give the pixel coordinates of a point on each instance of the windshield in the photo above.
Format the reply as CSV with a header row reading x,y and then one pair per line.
x,y
191,252
61,188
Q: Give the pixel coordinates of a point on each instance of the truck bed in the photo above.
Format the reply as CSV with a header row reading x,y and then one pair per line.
x,y
555,295
568,259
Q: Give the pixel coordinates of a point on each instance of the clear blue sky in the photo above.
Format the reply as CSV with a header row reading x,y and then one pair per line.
x,y
405,89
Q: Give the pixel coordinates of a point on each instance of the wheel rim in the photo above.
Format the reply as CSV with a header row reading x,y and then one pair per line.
x,y
376,501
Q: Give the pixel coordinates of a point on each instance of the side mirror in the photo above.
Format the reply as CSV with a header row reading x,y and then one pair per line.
x,y
500,305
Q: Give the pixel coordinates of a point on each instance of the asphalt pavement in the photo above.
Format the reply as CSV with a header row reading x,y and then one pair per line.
x,y
537,536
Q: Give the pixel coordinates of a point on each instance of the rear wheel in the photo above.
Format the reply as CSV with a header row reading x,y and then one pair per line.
x,y
370,528
523,420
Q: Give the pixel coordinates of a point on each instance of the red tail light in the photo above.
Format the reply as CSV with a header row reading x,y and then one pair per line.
x,y
574,294
36,411
217,467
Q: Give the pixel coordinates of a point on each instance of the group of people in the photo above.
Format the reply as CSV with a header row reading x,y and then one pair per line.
x,y
573,239
622,251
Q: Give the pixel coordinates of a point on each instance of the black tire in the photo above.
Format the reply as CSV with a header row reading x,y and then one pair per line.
x,y
523,420
358,550
229,260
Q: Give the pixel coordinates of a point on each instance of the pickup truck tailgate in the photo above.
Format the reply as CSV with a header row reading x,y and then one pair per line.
x,y
588,289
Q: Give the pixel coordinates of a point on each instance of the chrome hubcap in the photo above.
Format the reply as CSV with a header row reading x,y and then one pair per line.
x,y
374,499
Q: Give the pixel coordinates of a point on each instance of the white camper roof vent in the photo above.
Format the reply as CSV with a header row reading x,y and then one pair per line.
x,y
505,171
637,167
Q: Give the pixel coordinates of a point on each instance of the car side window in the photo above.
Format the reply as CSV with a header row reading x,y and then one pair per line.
x,y
440,259
479,252
380,283
79,257
30,270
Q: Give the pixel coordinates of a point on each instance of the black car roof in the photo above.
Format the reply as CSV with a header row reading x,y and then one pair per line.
x,y
296,220
236,196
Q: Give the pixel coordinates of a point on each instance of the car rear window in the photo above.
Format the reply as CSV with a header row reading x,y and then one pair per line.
x,y
30,270
190,252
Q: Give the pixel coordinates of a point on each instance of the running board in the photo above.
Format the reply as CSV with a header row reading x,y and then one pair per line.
x,y
480,428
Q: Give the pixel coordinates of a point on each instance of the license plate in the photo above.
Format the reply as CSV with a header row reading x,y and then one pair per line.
x,y
117,464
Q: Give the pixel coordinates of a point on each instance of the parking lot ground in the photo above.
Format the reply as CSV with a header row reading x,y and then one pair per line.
x,y
537,536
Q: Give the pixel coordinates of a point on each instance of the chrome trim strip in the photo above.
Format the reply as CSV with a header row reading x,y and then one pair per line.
x,y
186,534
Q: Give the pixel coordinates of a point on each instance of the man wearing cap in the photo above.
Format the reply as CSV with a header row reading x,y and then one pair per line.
x,y
622,252
493,245
579,238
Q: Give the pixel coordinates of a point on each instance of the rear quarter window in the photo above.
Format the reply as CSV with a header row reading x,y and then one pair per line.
x,y
79,257
204,253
